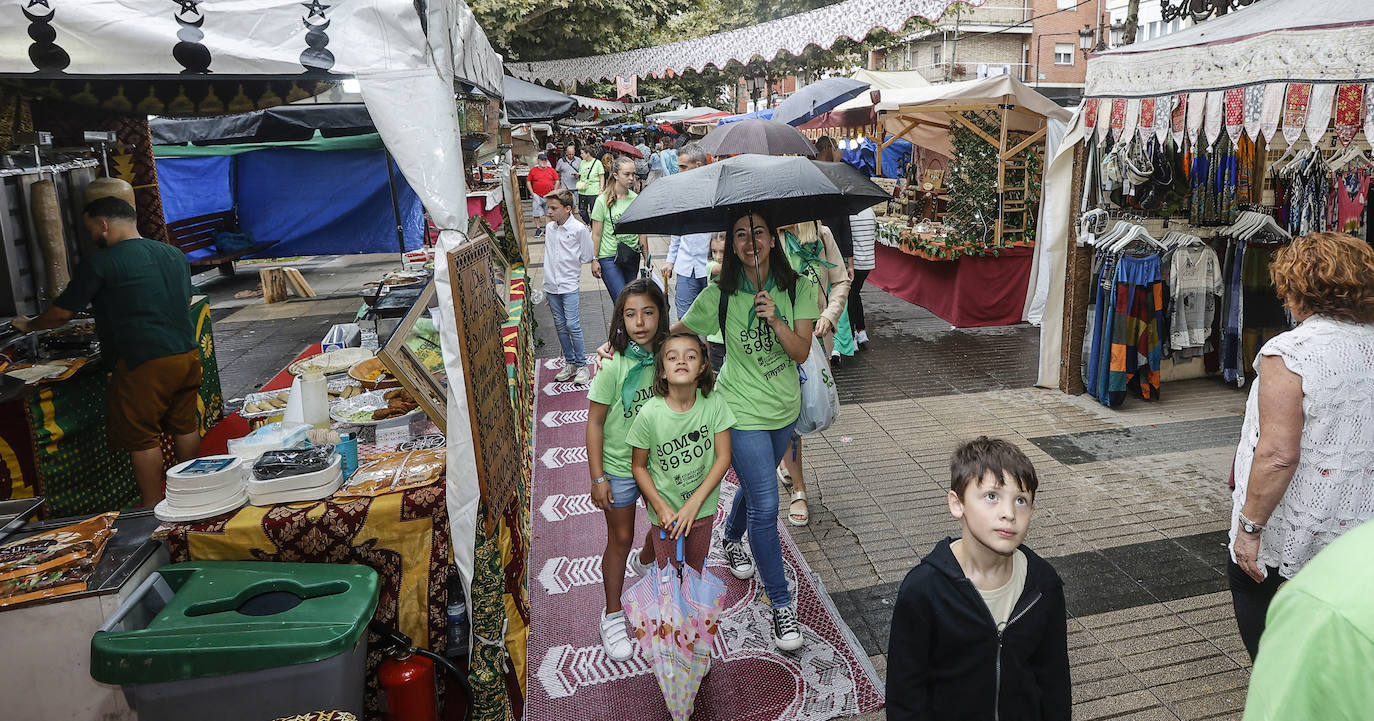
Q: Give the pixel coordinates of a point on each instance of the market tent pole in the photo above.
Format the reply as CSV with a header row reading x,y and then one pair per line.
x,y
395,203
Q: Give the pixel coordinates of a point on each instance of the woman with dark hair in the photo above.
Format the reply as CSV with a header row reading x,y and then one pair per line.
x,y
767,314
589,175
606,212
1302,468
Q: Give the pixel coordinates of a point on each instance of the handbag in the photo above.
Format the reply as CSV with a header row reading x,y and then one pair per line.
x,y
625,255
581,185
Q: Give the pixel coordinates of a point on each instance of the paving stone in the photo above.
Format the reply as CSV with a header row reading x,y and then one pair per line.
x,y
1114,705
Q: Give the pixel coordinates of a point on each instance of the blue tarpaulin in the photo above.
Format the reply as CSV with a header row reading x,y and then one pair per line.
x,y
864,157
310,202
765,114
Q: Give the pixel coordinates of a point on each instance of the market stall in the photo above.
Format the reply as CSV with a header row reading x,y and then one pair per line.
x,y
964,219
1199,140
260,54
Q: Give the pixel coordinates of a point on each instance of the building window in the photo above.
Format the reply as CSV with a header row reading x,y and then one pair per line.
x,y
935,54
1063,53
1065,4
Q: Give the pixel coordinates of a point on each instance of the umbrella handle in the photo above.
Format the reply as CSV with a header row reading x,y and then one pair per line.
x,y
664,534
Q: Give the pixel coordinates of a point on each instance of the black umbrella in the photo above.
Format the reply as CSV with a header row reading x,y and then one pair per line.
x,y
763,137
816,99
786,189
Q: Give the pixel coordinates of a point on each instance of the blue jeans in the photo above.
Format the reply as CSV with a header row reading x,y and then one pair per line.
x,y
755,456
615,277
569,326
687,291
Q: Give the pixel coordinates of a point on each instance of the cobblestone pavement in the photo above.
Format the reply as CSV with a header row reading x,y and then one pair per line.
x,y
1132,509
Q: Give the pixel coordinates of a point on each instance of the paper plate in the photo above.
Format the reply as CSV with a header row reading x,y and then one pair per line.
x,y
166,512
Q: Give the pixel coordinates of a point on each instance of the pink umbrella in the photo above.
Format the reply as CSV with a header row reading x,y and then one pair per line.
x,y
622,147
674,613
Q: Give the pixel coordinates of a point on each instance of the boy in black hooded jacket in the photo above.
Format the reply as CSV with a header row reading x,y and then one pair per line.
x,y
978,630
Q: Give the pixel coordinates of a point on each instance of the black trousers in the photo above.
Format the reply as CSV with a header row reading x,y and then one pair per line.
x,y
856,301
585,203
1251,602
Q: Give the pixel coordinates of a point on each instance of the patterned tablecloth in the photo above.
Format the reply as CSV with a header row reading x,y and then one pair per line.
x,y
404,536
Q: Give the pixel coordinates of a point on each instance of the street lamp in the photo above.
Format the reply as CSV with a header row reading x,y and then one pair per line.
x,y
1118,29
1085,39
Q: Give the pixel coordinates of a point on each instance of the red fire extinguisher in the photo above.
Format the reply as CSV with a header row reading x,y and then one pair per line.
x,y
407,681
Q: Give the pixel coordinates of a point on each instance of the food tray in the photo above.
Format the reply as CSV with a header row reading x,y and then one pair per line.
x,y
335,385
335,361
15,513
370,401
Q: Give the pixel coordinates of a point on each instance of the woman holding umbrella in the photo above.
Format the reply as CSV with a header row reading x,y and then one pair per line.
x,y
768,314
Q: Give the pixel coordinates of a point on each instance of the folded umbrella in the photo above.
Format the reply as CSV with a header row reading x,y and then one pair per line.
x,y
817,99
674,615
622,147
786,189
763,137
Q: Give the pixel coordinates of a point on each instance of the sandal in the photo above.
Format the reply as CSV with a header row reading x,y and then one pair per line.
x,y
799,519
785,478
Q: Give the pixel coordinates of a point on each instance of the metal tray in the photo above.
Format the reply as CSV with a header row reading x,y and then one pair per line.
x,y
15,513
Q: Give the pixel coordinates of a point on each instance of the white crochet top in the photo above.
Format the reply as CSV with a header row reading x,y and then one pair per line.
x,y
1333,487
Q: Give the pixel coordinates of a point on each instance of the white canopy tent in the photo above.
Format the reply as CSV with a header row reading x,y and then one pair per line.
x,y
406,64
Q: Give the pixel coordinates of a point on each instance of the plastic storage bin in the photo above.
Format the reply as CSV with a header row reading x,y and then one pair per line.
x,y
231,640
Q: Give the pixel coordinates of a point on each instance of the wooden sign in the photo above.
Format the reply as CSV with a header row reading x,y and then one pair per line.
x,y
480,312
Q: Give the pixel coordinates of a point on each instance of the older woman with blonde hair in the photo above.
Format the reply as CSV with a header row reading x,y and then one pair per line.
x,y
1304,468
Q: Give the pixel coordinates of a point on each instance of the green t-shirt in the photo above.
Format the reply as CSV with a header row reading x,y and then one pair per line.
x,y
591,171
140,292
681,447
605,389
1318,643
759,380
608,216
716,337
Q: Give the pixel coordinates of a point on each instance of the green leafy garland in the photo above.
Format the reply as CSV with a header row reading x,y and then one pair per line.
x,y
971,216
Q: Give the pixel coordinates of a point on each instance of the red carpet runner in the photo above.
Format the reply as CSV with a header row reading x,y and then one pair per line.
x,y
569,675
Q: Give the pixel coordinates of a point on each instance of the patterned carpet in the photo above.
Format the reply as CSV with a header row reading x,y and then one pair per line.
x,y
570,676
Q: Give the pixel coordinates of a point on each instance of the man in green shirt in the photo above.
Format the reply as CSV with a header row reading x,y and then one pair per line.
x,y
1318,644
139,291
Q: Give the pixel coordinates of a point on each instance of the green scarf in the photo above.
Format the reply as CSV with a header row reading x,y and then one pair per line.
x,y
643,360
747,286
809,253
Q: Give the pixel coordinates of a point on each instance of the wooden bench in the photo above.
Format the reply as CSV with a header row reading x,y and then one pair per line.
x,y
198,233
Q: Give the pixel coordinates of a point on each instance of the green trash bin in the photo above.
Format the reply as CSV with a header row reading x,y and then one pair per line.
x,y
236,640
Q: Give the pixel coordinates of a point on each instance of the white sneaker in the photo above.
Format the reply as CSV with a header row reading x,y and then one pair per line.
x,y
565,373
787,635
741,565
583,376
861,337
640,569
615,641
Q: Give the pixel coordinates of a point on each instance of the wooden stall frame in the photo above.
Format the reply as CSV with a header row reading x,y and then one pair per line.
x,y
414,377
516,213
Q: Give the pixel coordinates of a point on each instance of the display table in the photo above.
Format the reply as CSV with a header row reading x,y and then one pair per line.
x,y
404,536
970,292
488,204
53,437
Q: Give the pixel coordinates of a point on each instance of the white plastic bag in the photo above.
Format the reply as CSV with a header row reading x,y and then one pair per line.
x,y
820,399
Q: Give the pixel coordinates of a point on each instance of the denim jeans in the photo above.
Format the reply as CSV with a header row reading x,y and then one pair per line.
x,y
755,456
569,326
686,291
615,277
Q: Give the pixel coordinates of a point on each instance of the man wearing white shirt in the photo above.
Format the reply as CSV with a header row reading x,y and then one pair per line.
x,y
567,247
687,254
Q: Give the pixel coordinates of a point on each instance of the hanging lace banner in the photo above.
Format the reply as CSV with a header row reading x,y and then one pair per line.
x,y
1319,111
1252,104
1178,119
1295,111
1197,109
1147,117
1214,111
1104,121
1235,113
1164,108
1271,110
1132,119
1118,120
1090,118
1349,111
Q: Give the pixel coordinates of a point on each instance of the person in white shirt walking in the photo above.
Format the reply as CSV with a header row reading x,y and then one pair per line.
x,y
567,247
863,228
687,254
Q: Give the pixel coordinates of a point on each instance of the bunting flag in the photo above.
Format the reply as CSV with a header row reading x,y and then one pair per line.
x,y
1214,111
1349,109
1104,120
1132,121
1147,117
1197,109
1319,110
626,87
1118,118
1164,108
1252,104
1089,117
1271,110
1235,113
1295,111
1178,118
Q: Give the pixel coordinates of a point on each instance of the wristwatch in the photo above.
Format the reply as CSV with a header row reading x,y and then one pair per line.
x,y
600,479
1249,526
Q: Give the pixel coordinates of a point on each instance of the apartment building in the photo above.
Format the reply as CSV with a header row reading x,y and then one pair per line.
x,y
965,44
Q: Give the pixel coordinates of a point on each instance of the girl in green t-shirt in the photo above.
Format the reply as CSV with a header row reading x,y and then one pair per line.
x,y
619,390
589,174
606,212
681,442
